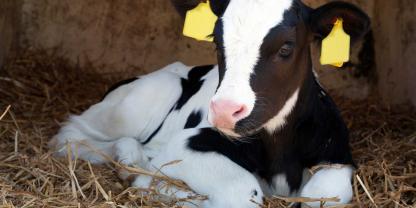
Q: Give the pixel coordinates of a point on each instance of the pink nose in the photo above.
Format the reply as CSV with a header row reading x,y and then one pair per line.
x,y
226,113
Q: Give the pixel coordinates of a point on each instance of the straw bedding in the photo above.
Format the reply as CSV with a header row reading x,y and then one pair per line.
x,y
43,89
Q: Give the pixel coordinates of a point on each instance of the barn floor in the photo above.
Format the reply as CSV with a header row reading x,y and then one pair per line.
x,y
43,90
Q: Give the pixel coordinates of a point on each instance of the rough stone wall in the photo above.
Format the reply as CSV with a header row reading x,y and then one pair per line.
x,y
137,34
115,35
9,27
144,35
396,50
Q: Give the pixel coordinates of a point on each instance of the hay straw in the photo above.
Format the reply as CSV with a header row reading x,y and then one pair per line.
x,y
43,89
97,184
74,180
306,199
365,189
5,112
16,142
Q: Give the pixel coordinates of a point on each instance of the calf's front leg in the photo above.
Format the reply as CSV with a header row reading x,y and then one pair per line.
x,y
226,184
327,183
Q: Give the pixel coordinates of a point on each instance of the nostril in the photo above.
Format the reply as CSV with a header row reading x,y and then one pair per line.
x,y
226,113
235,114
240,112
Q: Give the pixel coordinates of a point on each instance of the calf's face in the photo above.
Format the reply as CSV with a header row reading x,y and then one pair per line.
x,y
261,46
264,58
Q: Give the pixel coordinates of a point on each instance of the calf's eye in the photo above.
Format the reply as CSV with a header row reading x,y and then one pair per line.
x,y
286,50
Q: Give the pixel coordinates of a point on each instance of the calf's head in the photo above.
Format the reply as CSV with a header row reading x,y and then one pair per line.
x,y
264,57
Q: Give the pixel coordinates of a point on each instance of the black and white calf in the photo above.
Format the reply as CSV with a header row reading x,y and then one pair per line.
x,y
246,128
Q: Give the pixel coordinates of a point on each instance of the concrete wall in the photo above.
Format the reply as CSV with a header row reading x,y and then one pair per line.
x,y
9,27
141,35
395,27
144,35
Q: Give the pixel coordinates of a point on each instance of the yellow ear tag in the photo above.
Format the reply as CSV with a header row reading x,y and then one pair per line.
x,y
336,47
200,22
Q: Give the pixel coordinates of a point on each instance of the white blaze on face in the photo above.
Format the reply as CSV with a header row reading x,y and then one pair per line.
x,y
245,24
279,120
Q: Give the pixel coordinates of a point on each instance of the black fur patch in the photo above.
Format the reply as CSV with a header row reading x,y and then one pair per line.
x,y
219,6
182,6
192,85
314,133
119,84
193,120
248,154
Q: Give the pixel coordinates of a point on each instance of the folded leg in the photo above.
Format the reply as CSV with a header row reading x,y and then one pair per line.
x,y
226,184
328,183
131,110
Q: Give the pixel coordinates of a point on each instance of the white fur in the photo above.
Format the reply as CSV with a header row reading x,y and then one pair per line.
x,y
280,186
245,24
135,110
279,120
227,184
129,151
169,191
128,115
177,119
327,183
229,133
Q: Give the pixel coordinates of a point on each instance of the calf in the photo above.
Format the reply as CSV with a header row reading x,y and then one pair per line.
x,y
250,126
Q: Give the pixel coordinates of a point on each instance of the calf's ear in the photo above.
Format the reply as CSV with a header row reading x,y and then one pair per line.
x,y
182,6
219,6
356,22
